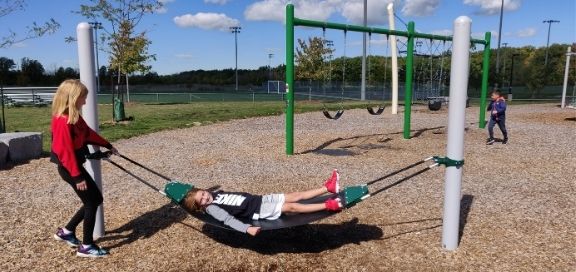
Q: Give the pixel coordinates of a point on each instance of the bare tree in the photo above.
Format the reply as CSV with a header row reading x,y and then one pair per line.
x,y
33,31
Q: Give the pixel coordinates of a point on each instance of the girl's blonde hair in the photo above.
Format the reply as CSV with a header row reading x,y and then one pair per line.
x,y
189,202
64,102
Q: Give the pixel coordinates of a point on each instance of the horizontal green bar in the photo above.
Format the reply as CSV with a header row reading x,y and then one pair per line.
x,y
357,28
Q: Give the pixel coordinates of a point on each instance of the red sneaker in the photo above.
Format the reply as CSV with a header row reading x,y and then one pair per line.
x,y
333,205
332,183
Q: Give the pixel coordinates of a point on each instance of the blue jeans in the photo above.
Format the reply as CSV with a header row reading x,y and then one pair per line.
x,y
501,121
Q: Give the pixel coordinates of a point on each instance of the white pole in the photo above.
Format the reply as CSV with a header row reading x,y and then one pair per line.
x,y
86,61
566,70
456,124
394,56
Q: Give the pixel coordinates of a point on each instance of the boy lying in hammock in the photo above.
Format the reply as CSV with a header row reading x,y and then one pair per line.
x,y
226,206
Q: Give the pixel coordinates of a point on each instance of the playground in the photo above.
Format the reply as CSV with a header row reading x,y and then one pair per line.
x,y
518,200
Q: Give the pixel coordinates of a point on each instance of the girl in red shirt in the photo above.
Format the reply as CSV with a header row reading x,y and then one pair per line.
x,y
70,139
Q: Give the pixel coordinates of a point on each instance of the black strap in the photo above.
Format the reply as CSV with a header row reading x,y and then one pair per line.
x,y
134,176
377,112
400,181
396,172
335,117
146,168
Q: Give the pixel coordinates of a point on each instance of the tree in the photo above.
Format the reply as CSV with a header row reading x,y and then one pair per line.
x,y
128,50
34,31
31,72
310,59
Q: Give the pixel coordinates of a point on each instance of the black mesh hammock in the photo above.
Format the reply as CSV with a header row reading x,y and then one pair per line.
x,y
349,196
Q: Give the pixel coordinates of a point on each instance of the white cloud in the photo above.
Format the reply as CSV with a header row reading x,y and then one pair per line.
x,y
217,2
353,11
420,7
526,32
274,10
491,7
207,21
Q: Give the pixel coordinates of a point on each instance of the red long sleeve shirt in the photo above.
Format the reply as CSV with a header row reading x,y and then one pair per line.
x,y
68,141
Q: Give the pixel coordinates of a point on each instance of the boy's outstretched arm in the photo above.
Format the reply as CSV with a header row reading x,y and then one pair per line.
x,y
228,220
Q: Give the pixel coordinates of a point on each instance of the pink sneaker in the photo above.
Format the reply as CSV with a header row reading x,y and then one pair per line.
x,y
333,205
332,183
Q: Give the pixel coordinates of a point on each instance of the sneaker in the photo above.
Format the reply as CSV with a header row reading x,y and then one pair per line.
x,y
332,183
333,205
505,141
91,251
69,238
490,141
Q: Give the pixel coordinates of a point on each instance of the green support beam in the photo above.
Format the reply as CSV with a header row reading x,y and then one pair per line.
x,y
289,79
485,71
408,83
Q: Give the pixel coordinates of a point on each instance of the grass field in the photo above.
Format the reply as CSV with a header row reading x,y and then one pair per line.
x,y
150,118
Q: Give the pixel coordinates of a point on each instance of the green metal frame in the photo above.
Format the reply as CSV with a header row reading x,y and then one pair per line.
x,y
411,34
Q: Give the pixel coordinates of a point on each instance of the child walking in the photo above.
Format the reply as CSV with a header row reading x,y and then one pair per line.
x,y
70,139
227,206
497,108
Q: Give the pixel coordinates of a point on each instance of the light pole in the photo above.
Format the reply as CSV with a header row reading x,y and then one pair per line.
x,y
236,30
270,55
499,39
549,22
96,26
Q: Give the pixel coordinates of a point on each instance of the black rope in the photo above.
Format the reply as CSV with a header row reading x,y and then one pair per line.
x,y
133,175
400,181
150,170
396,172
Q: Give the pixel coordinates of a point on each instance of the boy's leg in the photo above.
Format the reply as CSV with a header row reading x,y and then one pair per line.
x,y
491,128
502,126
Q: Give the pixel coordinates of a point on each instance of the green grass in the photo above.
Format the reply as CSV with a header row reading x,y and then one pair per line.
x,y
150,118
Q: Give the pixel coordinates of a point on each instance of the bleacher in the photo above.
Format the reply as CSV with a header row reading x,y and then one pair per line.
x,y
28,96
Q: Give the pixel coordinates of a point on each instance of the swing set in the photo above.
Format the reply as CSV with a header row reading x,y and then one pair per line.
x,y
411,35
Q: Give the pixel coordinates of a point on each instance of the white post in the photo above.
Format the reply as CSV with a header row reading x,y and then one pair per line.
x,y
394,56
456,124
566,70
86,62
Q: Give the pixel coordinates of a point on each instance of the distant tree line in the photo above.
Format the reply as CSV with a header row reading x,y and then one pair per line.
x,y
529,70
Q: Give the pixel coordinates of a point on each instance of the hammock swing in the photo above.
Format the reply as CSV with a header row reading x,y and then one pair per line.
x,y
350,196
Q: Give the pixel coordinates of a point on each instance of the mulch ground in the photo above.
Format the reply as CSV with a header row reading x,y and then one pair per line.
x,y
518,200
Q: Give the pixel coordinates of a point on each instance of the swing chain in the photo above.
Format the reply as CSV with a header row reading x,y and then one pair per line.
x,y
448,162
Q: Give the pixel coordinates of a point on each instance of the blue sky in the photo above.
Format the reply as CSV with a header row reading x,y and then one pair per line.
x,y
194,34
